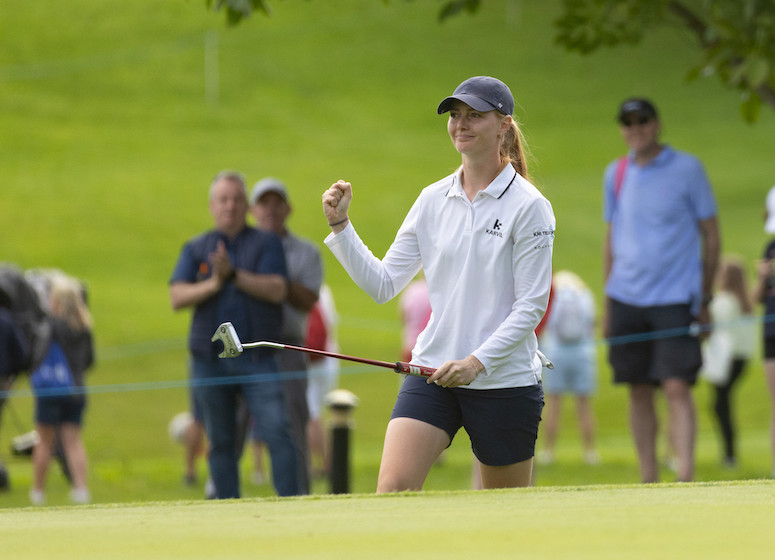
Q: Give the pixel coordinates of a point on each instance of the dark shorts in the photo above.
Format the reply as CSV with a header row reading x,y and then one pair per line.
x,y
502,423
665,351
53,411
769,347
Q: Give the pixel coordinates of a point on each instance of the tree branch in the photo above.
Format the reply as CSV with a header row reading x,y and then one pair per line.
x,y
692,22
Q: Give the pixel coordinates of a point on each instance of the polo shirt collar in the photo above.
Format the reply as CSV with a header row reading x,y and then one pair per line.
x,y
226,239
664,156
499,185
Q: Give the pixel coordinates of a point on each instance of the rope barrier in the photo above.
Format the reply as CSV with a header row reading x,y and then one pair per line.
x,y
171,384
151,347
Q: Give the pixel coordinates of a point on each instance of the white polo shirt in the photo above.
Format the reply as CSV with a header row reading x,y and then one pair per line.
x,y
488,265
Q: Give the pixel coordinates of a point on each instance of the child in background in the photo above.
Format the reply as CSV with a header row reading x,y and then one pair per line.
x,y
568,337
323,375
62,413
729,347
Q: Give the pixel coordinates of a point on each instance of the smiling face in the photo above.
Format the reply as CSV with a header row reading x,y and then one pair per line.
x,y
475,132
228,206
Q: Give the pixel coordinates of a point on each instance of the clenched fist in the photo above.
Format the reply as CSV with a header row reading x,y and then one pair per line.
x,y
336,203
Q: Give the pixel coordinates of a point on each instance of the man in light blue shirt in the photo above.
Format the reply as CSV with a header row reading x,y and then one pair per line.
x,y
662,249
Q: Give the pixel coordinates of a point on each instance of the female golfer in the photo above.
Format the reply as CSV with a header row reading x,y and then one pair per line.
x,y
483,237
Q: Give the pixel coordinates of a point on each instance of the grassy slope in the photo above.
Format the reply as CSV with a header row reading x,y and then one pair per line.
x,y
109,142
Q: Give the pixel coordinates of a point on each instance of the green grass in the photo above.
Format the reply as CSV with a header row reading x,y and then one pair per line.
x,y
640,522
108,145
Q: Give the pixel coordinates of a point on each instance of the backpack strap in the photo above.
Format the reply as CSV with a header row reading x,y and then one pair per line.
x,y
621,169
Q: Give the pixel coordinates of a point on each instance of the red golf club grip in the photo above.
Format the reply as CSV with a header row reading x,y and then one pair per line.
x,y
411,369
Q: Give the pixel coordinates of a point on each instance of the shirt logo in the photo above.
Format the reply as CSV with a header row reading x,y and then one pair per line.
x,y
495,229
544,233
544,238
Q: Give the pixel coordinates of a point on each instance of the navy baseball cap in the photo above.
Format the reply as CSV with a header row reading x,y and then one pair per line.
x,y
638,105
482,93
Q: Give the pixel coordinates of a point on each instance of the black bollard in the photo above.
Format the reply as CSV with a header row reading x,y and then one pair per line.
x,y
341,403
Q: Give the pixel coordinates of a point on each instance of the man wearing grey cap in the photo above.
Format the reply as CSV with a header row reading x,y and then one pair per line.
x,y
270,206
661,255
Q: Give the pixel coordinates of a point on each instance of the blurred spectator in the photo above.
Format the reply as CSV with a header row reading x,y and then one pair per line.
x,y
415,309
764,293
323,372
270,206
236,273
731,344
58,384
569,338
661,253
13,357
193,441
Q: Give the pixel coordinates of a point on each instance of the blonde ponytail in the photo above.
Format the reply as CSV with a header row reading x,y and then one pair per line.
x,y
67,303
512,149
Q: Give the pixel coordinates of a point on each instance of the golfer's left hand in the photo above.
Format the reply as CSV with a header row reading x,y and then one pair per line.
x,y
456,373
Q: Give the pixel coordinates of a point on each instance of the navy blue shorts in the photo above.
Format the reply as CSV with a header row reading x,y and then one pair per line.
x,y
657,356
501,423
53,411
769,347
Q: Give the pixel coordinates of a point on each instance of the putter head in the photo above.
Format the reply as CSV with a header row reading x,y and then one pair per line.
x,y
232,347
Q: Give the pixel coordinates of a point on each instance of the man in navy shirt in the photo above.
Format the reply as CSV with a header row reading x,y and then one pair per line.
x,y
236,273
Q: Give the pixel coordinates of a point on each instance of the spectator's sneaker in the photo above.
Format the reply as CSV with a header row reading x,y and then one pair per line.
x,y
37,497
592,457
80,496
545,457
209,489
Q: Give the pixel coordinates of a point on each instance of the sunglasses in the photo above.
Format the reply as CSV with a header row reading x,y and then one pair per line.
x,y
632,122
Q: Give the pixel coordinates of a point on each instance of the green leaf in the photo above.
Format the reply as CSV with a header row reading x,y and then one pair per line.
x,y
749,108
454,7
757,70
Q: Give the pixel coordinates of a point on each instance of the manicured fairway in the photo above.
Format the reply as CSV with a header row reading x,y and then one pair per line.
x,y
723,520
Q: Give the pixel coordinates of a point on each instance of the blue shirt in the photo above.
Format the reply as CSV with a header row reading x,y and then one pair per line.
x,y
655,230
256,251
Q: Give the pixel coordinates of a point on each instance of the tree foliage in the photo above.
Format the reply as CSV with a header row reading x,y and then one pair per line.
x,y
237,10
736,38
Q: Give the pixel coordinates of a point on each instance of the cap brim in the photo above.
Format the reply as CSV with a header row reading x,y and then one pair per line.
x,y
646,114
256,194
476,103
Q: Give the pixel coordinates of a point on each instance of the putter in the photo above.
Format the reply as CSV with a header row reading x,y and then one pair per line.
x,y
233,347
